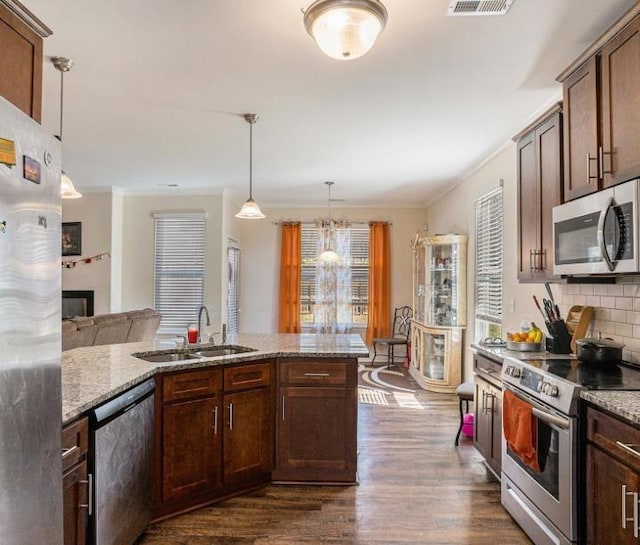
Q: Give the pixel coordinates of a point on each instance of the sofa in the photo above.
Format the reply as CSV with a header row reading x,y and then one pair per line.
x,y
121,327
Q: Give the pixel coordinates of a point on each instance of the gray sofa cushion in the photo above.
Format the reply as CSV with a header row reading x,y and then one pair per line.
x,y
116,328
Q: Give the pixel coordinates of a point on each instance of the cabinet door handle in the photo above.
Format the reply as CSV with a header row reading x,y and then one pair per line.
x,y
283,398
601,154
484,402
531,260
69,451
635,514
627,448
543,260
317,375
215,420
89,504
589,159
230,416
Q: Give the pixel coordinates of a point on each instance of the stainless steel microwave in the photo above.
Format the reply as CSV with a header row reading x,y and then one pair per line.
x,y
598,234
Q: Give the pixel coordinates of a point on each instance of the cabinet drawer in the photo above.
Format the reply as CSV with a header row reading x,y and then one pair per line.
x,y
245,377
323,373
615,437
191,384
75,442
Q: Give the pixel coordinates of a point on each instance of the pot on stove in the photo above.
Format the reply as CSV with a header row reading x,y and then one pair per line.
x,y
599,350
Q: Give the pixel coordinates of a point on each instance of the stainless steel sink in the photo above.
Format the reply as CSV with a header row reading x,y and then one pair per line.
x,y
221,351
164,356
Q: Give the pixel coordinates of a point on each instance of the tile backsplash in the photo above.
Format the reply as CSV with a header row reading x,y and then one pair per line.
x,y
617,310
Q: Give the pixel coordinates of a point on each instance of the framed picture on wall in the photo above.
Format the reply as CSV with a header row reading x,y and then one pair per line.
x,y
72,238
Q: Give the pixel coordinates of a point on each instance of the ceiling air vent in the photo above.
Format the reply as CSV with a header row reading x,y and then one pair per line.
x,y
479,7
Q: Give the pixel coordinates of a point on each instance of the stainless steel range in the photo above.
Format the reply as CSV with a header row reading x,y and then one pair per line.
x,y
543,498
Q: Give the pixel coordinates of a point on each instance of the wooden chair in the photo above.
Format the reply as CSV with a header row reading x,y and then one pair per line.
x,y
400,334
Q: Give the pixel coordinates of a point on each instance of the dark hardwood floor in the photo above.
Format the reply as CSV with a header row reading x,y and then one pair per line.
x,y
415,488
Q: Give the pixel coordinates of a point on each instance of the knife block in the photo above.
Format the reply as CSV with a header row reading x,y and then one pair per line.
x,y
559,339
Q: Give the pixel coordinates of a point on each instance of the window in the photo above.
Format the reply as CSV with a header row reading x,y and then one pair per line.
x,y
233,297
489,259
359,273
179,269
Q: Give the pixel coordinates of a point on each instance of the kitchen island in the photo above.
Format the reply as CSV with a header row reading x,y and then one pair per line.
x,y
286,411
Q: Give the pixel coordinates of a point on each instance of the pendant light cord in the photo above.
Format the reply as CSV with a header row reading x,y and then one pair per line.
x,y
250,161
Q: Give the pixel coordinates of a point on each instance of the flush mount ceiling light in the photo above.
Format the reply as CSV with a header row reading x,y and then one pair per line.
x,y
250,209
67,189
345,29
329,255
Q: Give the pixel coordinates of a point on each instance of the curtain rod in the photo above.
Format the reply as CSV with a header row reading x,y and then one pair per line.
x,y
312,223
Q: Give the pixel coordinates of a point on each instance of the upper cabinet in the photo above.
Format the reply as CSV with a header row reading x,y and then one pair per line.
x,y
602,111
539,190
21,35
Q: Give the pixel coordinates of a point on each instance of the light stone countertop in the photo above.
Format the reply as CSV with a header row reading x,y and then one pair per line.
x,y
499,353
94,374
625,404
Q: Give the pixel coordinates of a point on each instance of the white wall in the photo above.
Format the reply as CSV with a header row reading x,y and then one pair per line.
x,y
260,258
137,259
94,210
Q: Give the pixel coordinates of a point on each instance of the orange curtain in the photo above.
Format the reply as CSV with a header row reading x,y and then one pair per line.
x,y
379,311
290,269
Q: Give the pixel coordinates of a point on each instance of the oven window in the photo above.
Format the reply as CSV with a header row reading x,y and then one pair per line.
x,y
547,447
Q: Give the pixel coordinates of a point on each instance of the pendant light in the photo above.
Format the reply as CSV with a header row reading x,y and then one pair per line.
x,y
250,209
345,29
329,255
67,190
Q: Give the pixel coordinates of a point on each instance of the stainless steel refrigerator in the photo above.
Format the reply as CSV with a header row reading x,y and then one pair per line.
x,y
30,301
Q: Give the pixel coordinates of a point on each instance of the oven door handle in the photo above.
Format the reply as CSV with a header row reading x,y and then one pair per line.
x,y
538,411
551,419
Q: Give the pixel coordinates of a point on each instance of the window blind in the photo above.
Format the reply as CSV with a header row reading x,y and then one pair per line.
x,y
489,256
359,250
179,248
233,299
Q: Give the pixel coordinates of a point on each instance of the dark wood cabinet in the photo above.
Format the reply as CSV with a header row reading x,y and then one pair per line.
x,y
21,35
581,140
317,421
214,434
602,111
612,480
75,482
188,438
192,447
248,433
539,190
487,436
619,158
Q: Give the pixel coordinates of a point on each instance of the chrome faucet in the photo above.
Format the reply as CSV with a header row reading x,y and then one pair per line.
x,y
202,307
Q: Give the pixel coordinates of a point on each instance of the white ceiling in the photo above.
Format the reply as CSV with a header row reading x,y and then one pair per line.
x,y
159,86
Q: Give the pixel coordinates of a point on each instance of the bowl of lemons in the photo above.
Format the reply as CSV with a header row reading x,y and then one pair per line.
x,y
526,341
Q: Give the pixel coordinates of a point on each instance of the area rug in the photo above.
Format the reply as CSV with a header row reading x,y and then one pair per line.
x,y
388,387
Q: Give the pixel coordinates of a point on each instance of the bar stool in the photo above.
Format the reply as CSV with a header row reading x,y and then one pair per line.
x,y
465,394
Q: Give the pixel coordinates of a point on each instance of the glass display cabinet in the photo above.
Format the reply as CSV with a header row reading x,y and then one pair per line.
x,y
440,310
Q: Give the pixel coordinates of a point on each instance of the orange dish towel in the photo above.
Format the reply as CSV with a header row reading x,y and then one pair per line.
x,y
520,429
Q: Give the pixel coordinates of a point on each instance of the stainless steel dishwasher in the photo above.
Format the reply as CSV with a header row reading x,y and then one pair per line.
x,y
121,461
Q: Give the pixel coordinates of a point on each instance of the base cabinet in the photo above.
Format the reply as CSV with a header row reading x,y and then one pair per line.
x,y
317,421
487,433
75,482
214,434
612,480
249,430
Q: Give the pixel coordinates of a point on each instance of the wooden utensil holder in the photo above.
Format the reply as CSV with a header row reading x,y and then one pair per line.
x,y
578,320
